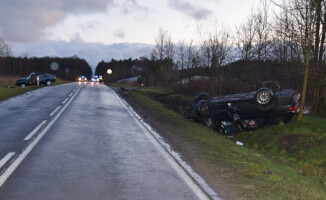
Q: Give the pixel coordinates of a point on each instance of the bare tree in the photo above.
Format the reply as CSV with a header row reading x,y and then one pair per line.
x,y
319,100
169,48
309,34
158,51
164,48
305,31
6,53
181,57
246,38
186,57
5,49
191,57
285,48
262,27
181,54
205,54
216,45
163,53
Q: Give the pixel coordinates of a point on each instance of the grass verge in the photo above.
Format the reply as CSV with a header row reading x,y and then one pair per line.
x,y
300,145
10,90
235,172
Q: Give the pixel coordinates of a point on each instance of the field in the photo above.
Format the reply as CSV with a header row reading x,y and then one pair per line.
x,y
8,88
286,161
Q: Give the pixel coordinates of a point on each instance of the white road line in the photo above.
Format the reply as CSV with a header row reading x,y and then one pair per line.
x,y
56,110
32,133
65,101
71,94
5,159
30,147
194,180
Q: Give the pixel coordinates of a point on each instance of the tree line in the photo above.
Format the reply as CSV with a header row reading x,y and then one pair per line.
x,y
68,68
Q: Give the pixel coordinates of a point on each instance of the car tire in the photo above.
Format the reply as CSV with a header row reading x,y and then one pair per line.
x,y
22,85
48,83
201,96
264,96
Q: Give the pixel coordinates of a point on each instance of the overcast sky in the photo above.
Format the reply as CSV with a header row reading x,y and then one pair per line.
x,y
103,29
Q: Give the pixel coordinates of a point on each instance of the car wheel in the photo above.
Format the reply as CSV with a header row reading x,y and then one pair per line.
x,y
201,96
48,83
22,85
264,96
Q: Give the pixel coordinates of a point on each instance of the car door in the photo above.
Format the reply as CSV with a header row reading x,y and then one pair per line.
x,y
42,78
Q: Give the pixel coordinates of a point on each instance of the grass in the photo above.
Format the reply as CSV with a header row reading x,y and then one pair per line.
x,y
8,89
300,145
241,168
127,85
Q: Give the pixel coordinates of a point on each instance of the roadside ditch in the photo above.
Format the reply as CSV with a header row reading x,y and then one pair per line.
x,y
235,172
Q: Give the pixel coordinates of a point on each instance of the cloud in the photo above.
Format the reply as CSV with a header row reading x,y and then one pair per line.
x,y
24,21
194,11
90,25
93,53
77,38
119,33
133,5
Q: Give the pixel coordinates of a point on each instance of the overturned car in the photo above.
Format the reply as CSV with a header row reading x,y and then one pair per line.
x,y
228,114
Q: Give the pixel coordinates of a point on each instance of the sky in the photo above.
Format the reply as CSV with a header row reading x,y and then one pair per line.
x,y
103,29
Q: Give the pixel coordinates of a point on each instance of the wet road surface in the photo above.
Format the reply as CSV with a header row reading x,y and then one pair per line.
x,y
94,148
21,114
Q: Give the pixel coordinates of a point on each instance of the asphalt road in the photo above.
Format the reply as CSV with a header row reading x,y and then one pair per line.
x,y
81,142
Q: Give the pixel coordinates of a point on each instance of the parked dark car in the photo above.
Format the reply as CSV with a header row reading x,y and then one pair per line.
x,y
227,114
44,78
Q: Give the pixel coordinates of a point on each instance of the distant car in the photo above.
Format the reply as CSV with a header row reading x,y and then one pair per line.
x,y
82,79
44,79
95,78
237,112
